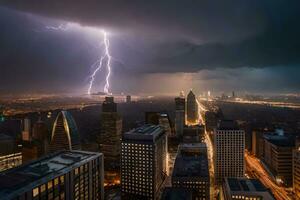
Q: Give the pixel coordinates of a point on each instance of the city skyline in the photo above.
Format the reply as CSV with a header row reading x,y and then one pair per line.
x,y
249,46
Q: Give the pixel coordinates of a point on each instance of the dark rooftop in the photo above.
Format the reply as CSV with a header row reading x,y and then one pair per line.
x,y
242,184
227,125
171,193
47,167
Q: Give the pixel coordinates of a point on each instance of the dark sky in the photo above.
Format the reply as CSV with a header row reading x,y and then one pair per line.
x,y
158,46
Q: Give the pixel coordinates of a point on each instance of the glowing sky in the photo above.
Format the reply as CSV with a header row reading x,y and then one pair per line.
x,y
158,47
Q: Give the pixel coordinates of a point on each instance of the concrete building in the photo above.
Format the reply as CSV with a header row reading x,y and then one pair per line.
x,y
278,157
192,108
38,145
191,170
143,162
244,189
10,154
179,116
193,134
296,173
109,140
63,175
26,131
229,148
128,99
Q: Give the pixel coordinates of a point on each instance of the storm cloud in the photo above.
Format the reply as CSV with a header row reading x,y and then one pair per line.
x,y
148,37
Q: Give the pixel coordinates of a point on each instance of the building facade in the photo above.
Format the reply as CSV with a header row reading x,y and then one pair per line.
x,y
179,116
10,154
143,162
65,135
242,188
296,172
191,170
63,175
229,148
192,108
278,157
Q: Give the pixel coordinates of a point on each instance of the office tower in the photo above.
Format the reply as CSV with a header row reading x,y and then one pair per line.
x,y
63,175
65,135
128,99
278,157
191,169
229,148
143,162
10,154
257,139
109,105
38,145
296,172
164,121
26,132
192,108
179,115
193,134
242,188
211,121
109,139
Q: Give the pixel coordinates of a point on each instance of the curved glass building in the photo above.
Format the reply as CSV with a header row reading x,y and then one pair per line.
x,y
65,135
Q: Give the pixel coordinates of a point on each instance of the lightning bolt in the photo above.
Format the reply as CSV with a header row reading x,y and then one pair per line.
x,y
105,57
108,58
107,54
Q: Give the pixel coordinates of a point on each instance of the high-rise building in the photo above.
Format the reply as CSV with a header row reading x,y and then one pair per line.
x,y
296,172
242,188
229,148
10,154
179,115
192,108
193,134
128,99
65,135
278,157
143,162
165,122
191,169
26,132
63,175
38,145
109,139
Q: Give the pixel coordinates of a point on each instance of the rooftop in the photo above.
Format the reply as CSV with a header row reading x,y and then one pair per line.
x,y
227,125
145,132
243,184
280,140
42,170
191,161
171,193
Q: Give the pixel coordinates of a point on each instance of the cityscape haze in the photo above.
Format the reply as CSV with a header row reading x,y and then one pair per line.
x,y
160,100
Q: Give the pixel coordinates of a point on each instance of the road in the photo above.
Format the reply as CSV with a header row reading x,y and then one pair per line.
x,y
256,170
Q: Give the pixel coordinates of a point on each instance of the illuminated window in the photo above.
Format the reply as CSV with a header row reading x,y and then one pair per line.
x,y
35,192
50,185
55,181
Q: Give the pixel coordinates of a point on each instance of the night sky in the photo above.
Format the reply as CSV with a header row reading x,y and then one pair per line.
x,y
159,47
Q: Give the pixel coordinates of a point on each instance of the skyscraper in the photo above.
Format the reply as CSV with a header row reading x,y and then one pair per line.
x,y
26,132
192,108
63,175
179,115
38,145
143,162
229,147
65,135
296,172
109,139
128,99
